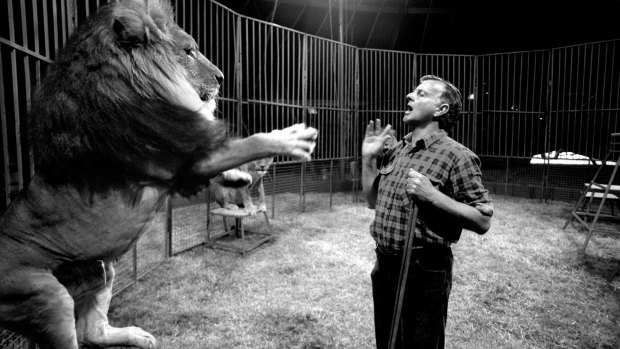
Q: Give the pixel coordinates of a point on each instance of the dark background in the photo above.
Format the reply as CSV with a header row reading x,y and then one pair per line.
x,y
445,26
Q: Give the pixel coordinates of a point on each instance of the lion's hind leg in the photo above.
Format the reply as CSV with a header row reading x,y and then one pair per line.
x,y
33,302
92,322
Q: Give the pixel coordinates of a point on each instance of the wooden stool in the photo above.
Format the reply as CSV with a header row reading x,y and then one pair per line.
x,y
249,239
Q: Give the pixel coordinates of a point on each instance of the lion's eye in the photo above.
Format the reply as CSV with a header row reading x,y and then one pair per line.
x,y
190,52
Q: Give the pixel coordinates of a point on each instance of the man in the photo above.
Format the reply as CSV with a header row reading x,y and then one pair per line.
x,y
442,177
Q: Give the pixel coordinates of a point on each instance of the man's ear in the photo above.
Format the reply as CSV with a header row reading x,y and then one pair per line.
x,y
441,110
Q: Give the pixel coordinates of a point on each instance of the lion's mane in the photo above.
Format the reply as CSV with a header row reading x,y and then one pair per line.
x,y
105,115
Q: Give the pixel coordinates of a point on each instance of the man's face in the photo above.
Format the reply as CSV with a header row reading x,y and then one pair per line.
x,y
423,103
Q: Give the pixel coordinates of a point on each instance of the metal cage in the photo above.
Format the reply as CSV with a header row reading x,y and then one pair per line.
x,y
516,105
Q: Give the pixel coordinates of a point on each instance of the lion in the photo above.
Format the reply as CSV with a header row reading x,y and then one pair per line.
x,y
232,188
123,119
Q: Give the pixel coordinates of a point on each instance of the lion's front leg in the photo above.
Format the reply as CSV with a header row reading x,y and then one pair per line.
x,y
34,303
297,141
247,202
92,321
262,203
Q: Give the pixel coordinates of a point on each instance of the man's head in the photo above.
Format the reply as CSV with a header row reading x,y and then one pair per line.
x,y
434,99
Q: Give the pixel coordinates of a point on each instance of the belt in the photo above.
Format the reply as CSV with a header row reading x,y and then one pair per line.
x,y
416,246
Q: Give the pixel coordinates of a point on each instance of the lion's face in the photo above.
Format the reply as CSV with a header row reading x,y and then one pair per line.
x,y
260,166
203,75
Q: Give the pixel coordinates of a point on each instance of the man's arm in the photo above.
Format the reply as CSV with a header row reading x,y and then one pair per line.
x,y
464,215
372,147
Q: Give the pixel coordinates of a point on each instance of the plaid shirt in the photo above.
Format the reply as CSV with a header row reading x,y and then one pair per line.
x,y
450,166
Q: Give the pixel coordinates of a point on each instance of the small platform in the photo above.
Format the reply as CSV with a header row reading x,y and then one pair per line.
x,y
238,239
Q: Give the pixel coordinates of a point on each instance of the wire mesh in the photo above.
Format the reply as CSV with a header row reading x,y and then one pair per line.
x,y
189,222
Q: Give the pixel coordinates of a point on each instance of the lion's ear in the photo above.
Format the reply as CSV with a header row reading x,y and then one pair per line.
x,y
131,30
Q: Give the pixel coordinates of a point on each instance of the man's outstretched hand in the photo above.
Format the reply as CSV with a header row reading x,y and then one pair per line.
x,y
374,139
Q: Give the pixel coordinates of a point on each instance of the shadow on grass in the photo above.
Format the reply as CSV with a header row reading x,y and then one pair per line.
x,y
296,329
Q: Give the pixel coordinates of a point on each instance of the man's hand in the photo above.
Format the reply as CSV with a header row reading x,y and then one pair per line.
x,y
420,187
297,141
372,147
374,139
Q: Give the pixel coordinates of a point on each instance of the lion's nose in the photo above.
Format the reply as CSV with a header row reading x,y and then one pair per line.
x,y
217,73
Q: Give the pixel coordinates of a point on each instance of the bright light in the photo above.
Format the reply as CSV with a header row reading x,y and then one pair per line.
x,y
471,96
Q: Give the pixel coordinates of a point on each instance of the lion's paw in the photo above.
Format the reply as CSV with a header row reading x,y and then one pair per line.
x,y
231,207
236,175
252,210
140,338
120,336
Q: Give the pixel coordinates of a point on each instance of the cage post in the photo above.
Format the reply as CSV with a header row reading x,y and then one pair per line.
x,y
273,192
16,104
547,115
5,143
72,16
134,261
356,111
304,104
331,180
37,69
168,231
506,175
27,85
474,136
302,192
340,100
208,200
238,75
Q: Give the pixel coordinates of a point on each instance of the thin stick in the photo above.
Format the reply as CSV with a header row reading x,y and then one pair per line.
x,y
402,279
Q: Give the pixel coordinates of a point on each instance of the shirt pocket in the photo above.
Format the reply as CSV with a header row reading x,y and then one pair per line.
x,y
436,182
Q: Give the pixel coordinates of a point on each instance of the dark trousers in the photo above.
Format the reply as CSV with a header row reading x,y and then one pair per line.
x,y
425,305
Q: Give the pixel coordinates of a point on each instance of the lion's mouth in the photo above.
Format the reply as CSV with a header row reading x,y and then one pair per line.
x,y
208,94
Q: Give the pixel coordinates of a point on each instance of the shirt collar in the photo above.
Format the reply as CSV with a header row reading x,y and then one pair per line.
x,y
425,141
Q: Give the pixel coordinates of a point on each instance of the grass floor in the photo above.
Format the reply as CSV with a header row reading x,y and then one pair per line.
x,y
522,285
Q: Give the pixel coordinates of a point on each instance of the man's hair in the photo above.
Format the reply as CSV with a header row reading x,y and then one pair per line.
x,y
452,96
